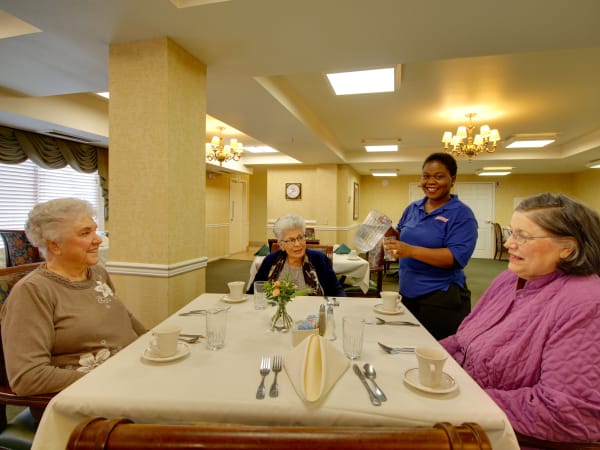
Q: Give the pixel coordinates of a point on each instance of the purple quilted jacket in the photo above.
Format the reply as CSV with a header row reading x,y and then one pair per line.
x,y
536,352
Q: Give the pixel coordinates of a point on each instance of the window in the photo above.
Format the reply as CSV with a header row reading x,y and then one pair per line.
x,y
23,185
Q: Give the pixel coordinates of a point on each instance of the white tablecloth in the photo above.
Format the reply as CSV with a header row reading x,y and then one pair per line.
x,y
355,270
220,386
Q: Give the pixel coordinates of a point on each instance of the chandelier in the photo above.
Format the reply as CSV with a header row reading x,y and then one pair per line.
x,y
485,141
215,150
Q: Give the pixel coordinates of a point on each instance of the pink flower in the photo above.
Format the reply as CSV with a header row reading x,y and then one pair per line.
x,y
276,291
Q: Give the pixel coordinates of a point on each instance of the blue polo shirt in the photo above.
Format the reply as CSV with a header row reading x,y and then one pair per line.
x,y
452,226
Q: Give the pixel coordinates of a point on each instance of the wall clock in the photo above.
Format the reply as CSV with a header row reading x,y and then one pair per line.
x,y
293,191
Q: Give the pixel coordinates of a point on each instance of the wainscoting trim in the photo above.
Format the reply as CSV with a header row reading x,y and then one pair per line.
x,y
156,270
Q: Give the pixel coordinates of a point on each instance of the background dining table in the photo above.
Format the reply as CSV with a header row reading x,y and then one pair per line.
x,y
355,268
220,386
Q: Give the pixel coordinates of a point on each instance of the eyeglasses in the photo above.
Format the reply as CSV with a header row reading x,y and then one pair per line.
x,y
523,239
297,240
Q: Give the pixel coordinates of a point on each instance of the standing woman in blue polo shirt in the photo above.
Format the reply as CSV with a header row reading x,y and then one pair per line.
x,y
437,238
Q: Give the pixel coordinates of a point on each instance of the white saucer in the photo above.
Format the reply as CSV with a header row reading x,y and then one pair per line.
x,y
228,299
182,350
411,376
353,258
379,308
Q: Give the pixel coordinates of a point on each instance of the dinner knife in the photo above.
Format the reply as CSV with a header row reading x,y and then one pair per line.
x,y
374,400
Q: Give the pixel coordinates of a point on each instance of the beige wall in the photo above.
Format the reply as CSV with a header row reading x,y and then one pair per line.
x,y
388,195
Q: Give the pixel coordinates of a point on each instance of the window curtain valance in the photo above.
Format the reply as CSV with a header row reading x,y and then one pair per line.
x,y
48,152
16,146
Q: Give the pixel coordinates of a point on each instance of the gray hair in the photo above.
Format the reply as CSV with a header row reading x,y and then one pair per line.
x,y
564,217
288,222
49,221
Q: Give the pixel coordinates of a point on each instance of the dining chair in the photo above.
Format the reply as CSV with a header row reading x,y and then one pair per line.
x,y
121,433
18,433
17,248
500,241
274,241
327,250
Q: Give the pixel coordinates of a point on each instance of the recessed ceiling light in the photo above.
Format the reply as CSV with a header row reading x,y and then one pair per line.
x,y
494,171
532,140
103,94
594,164
382,148
384,173
362,81
381,145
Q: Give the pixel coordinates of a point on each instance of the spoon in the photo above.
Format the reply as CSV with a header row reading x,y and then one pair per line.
x,y
371,374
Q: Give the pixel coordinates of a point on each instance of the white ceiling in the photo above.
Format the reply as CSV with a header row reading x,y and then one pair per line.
x,y
525,66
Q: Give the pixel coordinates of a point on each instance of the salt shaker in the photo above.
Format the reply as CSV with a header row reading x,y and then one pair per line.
x,y
330,328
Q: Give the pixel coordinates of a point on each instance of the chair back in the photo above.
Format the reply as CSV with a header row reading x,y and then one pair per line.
x,y
111,434
272,242
18,249
499,241
327,250
310,233
8,278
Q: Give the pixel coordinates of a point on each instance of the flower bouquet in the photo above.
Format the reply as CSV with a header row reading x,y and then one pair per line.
x,y
282,292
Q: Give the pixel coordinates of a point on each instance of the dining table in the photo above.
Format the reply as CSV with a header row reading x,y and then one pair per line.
x,y
202,385
353,267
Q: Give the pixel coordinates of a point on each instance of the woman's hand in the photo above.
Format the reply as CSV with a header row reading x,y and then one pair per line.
x,y
396,249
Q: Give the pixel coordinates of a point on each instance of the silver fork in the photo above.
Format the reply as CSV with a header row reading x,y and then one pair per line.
x,y
394,350
277,366
265,368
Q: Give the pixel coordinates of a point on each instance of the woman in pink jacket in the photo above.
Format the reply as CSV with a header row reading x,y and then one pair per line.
x,y
533,339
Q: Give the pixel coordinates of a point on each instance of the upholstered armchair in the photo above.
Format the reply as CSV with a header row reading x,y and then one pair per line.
x,y
18,249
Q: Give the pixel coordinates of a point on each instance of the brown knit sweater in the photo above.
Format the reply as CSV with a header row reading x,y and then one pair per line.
x,y
55,330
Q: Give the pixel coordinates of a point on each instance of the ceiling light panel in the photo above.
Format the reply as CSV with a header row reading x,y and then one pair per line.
x,y
362,81
532,140
384,173
382,148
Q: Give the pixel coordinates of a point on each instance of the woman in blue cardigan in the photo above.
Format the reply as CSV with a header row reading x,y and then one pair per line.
x,y
308,269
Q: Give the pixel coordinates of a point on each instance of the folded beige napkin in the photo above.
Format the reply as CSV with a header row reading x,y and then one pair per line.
x,y
314,366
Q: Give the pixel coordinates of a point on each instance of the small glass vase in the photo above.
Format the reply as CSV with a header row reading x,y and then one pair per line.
x,y
282,321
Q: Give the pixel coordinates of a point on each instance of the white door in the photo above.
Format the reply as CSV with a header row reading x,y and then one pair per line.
x,y
480,198
238,221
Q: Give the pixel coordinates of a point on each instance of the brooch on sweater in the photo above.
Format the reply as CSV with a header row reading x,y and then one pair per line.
x,y
105,291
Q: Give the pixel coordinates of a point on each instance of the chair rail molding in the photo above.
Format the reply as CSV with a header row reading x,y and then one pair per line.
x,y
156,270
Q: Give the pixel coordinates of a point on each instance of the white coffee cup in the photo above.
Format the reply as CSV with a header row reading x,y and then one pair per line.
x,y
236,289
164,340
431,364
390,300
353,254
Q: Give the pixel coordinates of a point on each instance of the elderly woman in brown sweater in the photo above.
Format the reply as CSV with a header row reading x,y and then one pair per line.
x,y
63,319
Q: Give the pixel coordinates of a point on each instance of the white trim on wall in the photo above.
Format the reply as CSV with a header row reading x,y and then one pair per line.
x,y
156,270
